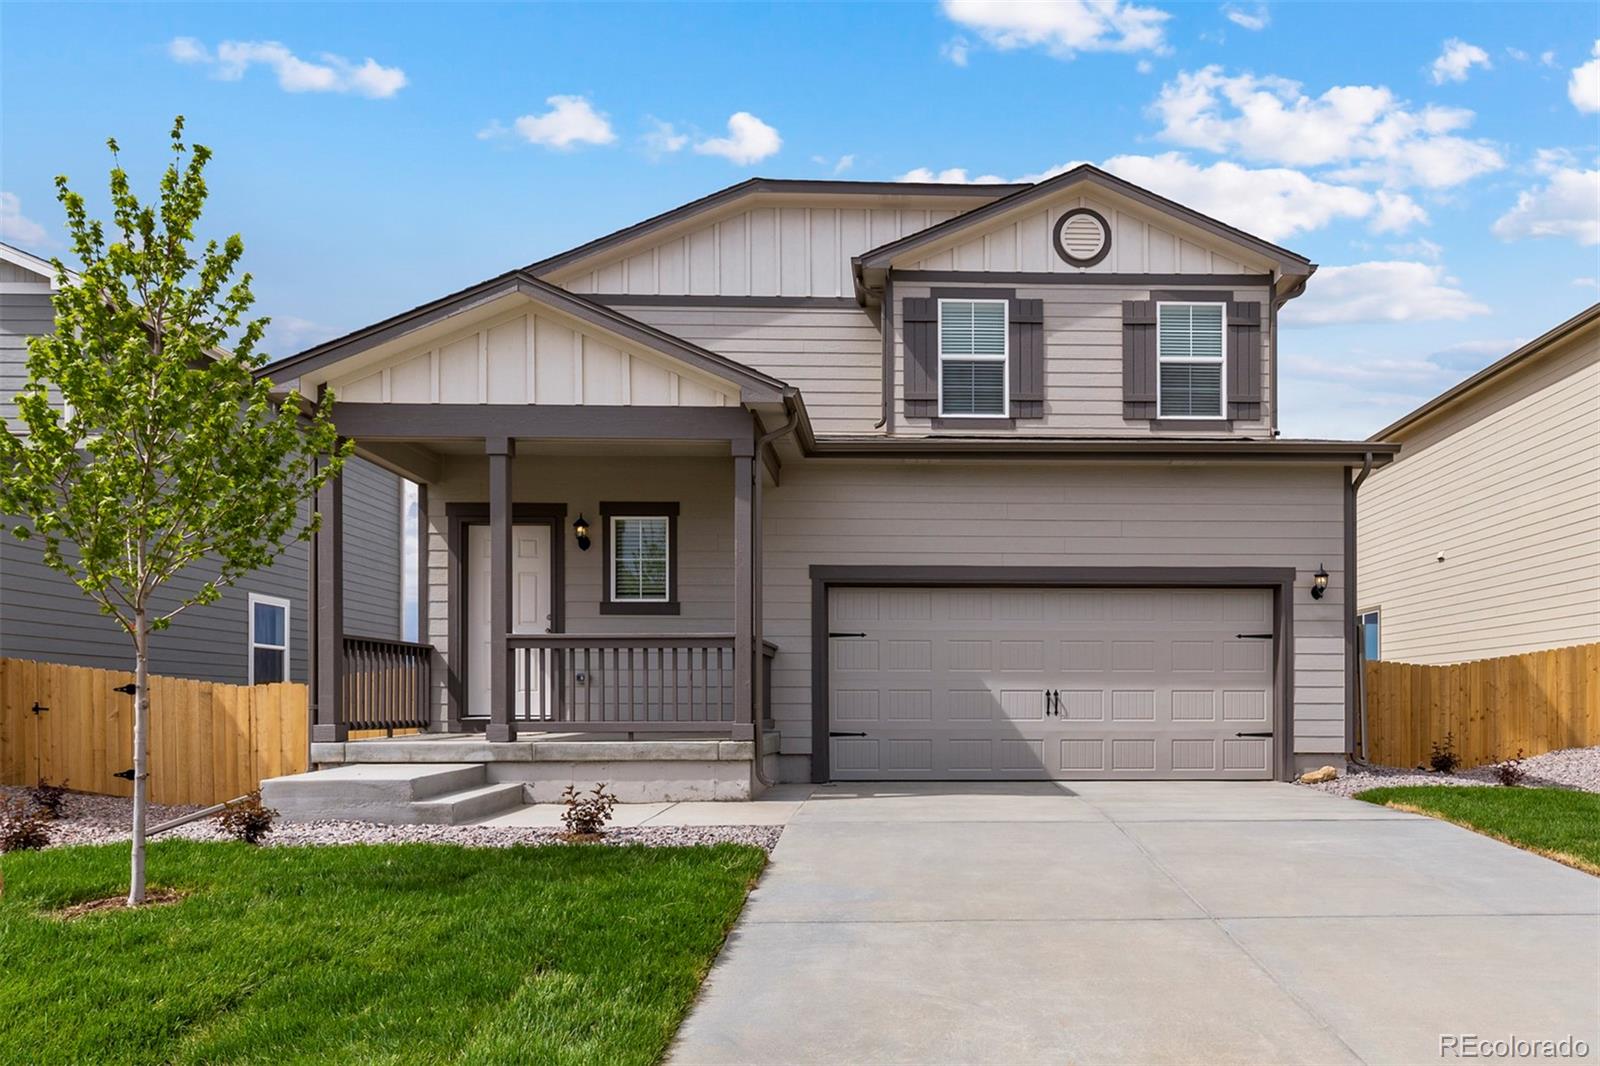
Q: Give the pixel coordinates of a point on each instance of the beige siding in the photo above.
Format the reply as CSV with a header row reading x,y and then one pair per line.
x,y
523,357
1507,487
790,250
1059,515
1142,242
833,355
1083,362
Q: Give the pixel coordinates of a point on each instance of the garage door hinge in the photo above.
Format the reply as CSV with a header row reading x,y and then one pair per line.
x,y
846,634
836,733
1252,734
1252,636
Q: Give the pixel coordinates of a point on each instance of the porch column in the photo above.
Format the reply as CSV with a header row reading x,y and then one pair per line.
x,y
743,589
328,725
500,451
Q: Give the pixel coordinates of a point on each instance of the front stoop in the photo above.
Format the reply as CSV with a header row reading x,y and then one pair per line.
x,y
391,794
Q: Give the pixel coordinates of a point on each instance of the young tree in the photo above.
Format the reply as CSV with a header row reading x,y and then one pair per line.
x,y
168,452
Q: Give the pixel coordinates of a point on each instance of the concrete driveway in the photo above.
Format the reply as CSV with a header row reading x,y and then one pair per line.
x,y
1142,923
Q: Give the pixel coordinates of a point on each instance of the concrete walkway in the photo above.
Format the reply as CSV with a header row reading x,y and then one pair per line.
x,y
1142,923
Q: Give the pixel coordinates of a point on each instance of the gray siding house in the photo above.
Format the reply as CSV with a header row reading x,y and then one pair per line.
x,y
44,616
858,480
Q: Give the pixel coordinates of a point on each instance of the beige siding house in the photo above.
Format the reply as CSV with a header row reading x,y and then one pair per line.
x,y
1484,540
856,480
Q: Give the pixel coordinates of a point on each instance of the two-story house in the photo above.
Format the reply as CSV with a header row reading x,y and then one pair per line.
x,y
894,481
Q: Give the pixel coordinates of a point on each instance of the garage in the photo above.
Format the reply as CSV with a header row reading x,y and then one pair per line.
x,y
1050,683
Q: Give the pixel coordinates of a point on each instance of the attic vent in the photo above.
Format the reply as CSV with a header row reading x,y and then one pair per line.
x,y
1082,237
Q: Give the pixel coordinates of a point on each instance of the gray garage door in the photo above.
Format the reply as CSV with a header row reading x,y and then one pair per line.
x,y
949,684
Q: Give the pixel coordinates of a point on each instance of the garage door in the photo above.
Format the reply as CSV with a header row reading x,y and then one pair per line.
x,y
950,684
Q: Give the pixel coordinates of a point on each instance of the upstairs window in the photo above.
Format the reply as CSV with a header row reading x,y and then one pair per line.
x,y
972,358
269,639
1189,358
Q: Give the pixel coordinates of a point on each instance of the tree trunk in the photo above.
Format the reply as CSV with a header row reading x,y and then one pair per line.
x,y
141,752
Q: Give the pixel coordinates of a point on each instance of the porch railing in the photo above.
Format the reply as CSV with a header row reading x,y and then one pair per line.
x,y
626,683
386,683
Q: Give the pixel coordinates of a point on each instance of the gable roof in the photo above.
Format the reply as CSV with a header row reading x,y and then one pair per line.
x,y
754,186
1494,372
1289,264
758,386
10,253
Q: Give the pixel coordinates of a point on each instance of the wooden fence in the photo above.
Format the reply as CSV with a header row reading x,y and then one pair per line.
x,y
209,742
1537,702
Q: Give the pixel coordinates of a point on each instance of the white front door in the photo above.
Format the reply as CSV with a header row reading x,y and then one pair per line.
x,y
530,608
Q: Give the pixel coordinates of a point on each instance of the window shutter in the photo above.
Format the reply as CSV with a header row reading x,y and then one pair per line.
x,y
1138,359
1027,358
919,317
1244,360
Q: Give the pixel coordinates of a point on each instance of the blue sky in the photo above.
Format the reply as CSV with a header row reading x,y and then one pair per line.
x,y
1438,160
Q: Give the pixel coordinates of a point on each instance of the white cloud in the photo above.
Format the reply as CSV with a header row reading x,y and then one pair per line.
x,y
1457,61
664,138
1587,283
1396,213
1584,88
957,50
287,334
1144,66
330,74
1516,53
951,176
1255,17
570,122
15,227
1566,205
1063,28
1365,127
749,140
1387,291
1420,248
1548,58
837,166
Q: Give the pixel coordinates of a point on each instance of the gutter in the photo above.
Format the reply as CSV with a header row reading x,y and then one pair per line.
x,y
1352,623
758,754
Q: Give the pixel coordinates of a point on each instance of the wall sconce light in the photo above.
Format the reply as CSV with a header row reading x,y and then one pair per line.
x,y
1319,583
580,529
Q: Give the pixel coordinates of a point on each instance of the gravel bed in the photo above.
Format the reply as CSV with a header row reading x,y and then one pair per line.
x,y
91,819
1575,768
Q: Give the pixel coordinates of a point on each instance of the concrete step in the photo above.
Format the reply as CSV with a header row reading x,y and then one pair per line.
x,y
469,804
368,792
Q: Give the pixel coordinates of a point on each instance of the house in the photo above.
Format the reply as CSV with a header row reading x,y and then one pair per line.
x,y
882,480
1506,468
257,632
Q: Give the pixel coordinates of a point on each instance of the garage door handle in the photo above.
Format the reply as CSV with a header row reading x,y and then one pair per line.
x,y
1252,636
1252,734
846,634
836,733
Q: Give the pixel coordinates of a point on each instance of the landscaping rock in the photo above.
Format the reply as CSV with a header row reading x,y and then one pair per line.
x,y
1316,777
1577,768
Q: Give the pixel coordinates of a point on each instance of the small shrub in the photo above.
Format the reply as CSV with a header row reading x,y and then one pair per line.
x,y
1444,759
48,798
587,814
248,819
23,826
1511,772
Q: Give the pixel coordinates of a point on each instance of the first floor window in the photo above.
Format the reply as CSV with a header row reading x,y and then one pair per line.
x,y
641,558
1370,644
972,358
1189,360
269,639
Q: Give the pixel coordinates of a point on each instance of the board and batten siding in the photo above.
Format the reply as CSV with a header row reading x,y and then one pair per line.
x,y
1083,361
527,357
797,250
1047,514
1506,486
44,616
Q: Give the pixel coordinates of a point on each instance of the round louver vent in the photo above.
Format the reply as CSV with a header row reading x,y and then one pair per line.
x,y
1083,237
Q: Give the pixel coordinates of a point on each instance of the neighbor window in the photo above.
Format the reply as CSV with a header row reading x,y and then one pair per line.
x,y
1370,632
640,558
1189,355
269,639
972,358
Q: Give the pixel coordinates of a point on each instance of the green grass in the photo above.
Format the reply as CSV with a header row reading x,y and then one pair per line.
x,y
1561,824
403,953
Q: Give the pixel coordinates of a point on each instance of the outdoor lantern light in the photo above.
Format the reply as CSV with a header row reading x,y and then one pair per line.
x,y
1319,583
580,529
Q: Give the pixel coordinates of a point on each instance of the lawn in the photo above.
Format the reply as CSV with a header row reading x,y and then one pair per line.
x,y
1556,822
396,953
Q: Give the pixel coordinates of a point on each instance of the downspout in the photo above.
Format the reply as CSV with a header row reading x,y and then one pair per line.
x,y
758,641
886,325
1351,607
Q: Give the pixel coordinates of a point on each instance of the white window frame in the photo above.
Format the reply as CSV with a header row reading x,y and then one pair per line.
x,y
1004,359
666,571
1361,629
1222,363
288,634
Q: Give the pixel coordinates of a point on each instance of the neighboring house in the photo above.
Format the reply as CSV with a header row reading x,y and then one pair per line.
x,y
257,631
1484,539
912,481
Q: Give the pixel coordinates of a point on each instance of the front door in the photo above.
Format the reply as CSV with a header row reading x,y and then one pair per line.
x,y
530,609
